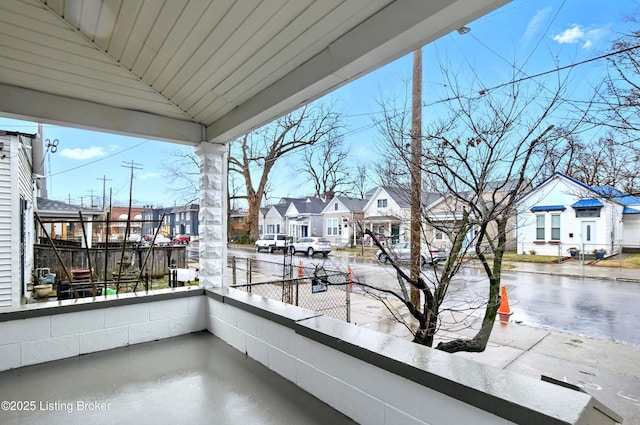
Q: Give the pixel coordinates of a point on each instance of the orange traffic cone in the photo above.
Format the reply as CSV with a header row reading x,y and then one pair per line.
x,y
504,311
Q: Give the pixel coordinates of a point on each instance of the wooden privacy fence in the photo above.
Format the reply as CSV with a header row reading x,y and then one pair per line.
x,y
158,263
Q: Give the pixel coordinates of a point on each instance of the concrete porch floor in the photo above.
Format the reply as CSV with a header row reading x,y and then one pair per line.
x,y
191,379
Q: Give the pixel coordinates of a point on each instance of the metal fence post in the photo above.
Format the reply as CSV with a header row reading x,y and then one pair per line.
x,y
348,301
559,253
233,270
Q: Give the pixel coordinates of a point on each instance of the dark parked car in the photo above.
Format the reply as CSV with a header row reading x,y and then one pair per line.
x,y
312,245
401,251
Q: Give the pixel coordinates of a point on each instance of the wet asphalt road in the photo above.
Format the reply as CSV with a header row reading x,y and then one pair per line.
x,y
598,308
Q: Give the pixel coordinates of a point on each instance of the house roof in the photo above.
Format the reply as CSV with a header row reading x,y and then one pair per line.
x,y
48,207
183,208
588,203
307,206
399,195
539,208
352,204
608,193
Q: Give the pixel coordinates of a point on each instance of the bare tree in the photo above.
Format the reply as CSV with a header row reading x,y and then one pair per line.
x,y
183,172
622,95
360,180
254,155
478,159
326,164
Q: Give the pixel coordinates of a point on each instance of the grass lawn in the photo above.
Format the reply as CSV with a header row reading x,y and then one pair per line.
x,y
629,261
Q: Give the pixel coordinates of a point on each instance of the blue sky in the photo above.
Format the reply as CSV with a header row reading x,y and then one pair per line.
x,y
537,35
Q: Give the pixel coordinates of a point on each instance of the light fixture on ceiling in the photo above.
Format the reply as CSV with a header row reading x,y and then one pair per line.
x,y
463,30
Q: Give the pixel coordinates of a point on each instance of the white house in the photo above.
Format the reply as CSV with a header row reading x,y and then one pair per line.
x,y
21,162
387,214
304,217
562,213
341,216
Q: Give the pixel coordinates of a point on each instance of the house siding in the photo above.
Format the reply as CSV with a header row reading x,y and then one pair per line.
x,y
396,219
631,235
606,232
273,222
6,251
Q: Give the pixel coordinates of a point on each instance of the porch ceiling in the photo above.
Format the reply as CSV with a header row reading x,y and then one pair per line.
x,y
188,71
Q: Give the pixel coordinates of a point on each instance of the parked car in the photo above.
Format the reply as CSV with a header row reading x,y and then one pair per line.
x,y
181,240
273,241
162,241
312,245
401,251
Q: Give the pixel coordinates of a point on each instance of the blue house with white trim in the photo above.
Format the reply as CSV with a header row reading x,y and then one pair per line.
x,y
562,213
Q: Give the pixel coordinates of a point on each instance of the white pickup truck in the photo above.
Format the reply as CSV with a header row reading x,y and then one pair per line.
x,y
273,241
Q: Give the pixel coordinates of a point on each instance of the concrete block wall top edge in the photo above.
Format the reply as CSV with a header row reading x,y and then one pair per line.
x,y
514,397
281,313
83,304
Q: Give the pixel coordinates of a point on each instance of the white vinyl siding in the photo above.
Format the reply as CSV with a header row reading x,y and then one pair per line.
x,y
6,250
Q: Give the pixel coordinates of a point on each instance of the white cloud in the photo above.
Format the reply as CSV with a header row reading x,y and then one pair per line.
x,y
572,35
535,22
576,34
82,154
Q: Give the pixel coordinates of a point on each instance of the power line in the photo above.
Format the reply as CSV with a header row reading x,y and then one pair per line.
x,y
99,159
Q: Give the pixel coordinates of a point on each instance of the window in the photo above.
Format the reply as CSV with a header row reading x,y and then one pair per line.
x,y
540,227
335,206
587,212
438,235
555,227
332,227
382,203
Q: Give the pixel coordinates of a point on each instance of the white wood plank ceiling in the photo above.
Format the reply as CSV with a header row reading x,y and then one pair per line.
x,y
193,70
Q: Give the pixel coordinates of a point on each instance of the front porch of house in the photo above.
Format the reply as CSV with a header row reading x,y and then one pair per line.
x,y
168,356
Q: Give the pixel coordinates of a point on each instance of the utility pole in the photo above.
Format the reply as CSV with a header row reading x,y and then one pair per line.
x,y
133,166
104,192
416,174
91,204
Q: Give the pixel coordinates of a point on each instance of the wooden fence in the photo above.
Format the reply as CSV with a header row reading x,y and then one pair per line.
x,y
157,265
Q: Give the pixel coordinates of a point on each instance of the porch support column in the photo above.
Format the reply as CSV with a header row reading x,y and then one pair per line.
x,y
212,215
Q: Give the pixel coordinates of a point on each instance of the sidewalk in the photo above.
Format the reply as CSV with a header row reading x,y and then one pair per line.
x,y
607,370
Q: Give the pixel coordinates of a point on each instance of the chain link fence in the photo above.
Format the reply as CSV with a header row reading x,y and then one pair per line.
x,y
311,287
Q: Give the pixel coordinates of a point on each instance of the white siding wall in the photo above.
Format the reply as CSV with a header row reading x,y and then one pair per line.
x,y
6,237
631,234
561,192
272,220
25,189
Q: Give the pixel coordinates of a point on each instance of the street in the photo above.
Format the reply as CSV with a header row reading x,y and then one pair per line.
x,y
598,308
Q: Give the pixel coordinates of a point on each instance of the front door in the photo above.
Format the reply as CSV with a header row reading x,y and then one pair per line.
x,y
395,233
588,235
